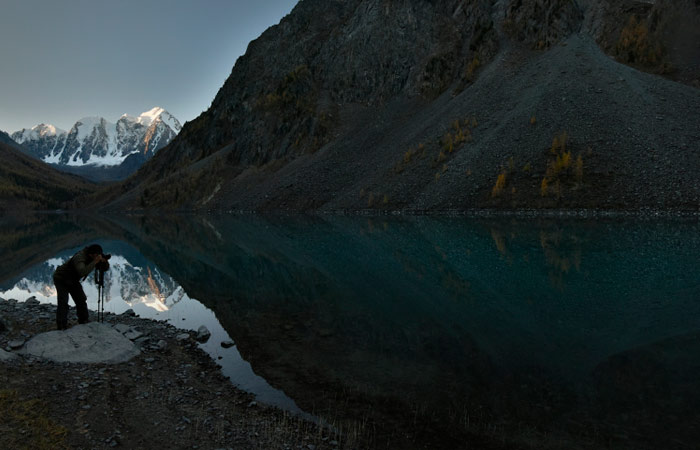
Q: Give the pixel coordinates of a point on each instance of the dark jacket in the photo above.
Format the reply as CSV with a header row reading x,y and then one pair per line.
x,y
79,266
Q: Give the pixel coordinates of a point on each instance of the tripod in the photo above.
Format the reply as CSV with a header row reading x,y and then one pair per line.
x,y
100,282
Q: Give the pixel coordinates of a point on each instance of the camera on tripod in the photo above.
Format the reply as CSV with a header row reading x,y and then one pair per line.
x,y
100,269
103,266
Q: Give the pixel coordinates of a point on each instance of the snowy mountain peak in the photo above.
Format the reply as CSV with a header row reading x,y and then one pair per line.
x,y
47,130
149,116
95,141
35,133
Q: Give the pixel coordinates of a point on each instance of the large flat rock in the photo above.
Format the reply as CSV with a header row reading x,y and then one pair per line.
x,y
89,343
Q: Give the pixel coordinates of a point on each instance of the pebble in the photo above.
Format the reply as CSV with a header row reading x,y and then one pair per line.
x,y
227,344
6,356
122,327
133,334
16,344
182,336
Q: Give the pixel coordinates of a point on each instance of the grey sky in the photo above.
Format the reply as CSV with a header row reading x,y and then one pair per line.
x,y
61,60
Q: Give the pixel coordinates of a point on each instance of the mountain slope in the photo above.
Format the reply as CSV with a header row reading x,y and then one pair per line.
x,y
28,184
98,149
6,139
436,105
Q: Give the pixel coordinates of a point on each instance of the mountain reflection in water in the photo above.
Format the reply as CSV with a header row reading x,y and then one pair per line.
x,y
135,283
533,333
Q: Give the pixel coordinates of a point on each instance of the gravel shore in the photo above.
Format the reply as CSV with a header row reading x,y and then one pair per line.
x,y
172,395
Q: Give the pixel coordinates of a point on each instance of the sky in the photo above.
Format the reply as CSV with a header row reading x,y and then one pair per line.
x,y
62,60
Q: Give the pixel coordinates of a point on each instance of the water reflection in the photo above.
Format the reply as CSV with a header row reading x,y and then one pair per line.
x,y
440,332
136,283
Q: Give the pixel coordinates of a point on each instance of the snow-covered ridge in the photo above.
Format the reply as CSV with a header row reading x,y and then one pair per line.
x,y
40,131
95,141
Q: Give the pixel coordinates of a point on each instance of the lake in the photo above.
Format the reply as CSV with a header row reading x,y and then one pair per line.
x,y
537,333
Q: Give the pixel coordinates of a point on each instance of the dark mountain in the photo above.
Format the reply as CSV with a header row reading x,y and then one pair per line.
x,y
458,104
28,184
7,140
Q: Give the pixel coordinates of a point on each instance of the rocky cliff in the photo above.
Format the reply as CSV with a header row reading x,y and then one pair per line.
x,y
460,104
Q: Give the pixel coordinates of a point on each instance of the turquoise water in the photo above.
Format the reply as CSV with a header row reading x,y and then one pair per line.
x,y
566,333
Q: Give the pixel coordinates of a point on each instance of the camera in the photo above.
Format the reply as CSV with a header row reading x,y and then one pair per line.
x,y
103,265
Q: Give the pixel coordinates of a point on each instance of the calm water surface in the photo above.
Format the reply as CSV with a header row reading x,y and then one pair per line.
x,y
428,332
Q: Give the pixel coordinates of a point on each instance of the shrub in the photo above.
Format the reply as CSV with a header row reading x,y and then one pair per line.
x,y
578,169
561,168
635,44
448,143
470,74
500,185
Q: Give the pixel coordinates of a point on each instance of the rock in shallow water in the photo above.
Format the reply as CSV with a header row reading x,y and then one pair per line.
x,y
203,334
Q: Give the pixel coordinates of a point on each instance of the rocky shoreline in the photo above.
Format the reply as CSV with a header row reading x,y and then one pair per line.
x,y
172,395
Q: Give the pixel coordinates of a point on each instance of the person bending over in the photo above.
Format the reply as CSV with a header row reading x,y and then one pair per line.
x,y
67,278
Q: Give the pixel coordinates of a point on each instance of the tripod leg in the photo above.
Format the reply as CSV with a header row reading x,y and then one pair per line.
x,y
102,312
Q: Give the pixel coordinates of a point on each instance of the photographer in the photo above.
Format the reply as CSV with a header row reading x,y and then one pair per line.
x,y
67,279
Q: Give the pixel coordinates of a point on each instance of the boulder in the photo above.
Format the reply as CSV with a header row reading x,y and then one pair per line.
x,y
89,343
